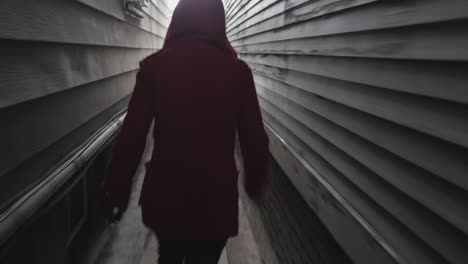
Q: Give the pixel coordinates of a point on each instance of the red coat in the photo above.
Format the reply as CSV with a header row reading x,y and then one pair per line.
x,y
199,94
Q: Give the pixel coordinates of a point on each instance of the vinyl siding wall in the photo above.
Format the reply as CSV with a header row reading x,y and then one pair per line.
x,y
66,67
366,105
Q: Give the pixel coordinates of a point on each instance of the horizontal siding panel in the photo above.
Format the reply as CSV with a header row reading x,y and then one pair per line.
x,y
380,15
447,241
342,220
372,96
441,80
36,125
228,5
50,67
418,148
114,8
434,117
157,15
158,30
307,10
306,144
445,200
69,22
66,68
163,8
252,8
18,181
416,42
234,8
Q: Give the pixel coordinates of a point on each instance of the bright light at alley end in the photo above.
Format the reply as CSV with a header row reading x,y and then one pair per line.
x,y
172,3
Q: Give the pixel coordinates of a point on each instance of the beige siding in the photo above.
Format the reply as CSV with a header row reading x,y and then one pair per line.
x,y
369,98
66,68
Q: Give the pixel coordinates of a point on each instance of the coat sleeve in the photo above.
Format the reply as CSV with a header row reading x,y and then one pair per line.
x,y
129,146
253,139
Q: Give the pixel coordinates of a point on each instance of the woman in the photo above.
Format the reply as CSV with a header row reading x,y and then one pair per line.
x,y
198,93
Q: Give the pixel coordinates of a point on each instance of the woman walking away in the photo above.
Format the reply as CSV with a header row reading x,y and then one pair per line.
x,y
199,94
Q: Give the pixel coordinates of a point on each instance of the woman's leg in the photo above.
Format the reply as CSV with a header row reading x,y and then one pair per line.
x,y
204,251
171,251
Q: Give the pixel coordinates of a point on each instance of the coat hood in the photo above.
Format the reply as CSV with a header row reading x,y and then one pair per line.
x,y
199,18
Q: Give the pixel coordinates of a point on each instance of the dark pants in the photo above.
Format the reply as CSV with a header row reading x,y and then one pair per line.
x,y
191,251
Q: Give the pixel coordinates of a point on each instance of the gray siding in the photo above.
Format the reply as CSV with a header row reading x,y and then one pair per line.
x,y
368,99
67,67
